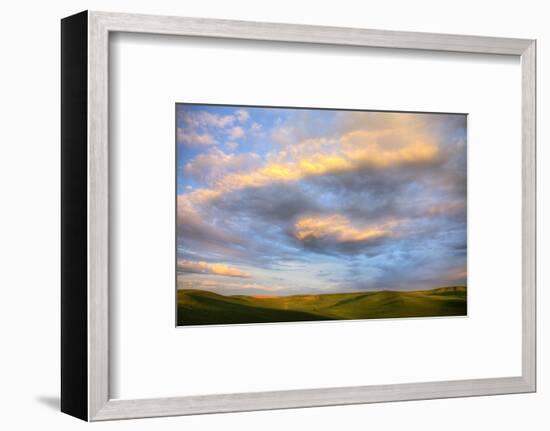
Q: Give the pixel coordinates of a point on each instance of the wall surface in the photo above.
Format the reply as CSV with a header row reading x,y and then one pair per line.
x,y
29,228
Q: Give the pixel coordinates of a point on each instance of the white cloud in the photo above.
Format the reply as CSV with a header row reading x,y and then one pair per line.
x,y
283,136
242,115
207,119
214,164
194,139
236,132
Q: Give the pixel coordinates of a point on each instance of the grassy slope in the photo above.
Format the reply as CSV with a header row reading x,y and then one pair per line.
x,y
199,307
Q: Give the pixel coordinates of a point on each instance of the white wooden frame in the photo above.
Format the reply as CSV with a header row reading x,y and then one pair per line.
x,y
99,404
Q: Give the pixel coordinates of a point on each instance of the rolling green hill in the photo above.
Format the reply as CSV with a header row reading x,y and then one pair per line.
x,y
200,307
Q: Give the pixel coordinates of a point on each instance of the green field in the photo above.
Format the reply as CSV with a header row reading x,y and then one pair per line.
x,y
200,307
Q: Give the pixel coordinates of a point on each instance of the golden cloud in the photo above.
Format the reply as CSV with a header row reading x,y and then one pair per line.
x,y
388,148
339,228
202,267
352,151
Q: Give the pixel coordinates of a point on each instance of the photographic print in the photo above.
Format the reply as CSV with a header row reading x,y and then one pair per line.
x,y
307,214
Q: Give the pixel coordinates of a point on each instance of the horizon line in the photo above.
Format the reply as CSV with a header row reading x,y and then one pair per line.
x,y
321,294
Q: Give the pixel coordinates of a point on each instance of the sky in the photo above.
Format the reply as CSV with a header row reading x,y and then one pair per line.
x,y
281,201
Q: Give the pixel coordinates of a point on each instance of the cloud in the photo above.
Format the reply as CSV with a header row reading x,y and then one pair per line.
x,y
195,230
201,267
374,174
446,208
236,132
349,154
258,205
193,139
407,143
242,115
283,136
338,228
388,148
203,119
210,166
225,287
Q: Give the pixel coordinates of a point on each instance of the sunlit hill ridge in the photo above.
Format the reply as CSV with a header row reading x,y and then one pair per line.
x,y
200,307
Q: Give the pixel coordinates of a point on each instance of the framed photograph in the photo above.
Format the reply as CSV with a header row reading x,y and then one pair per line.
x,y
300,214
264,216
